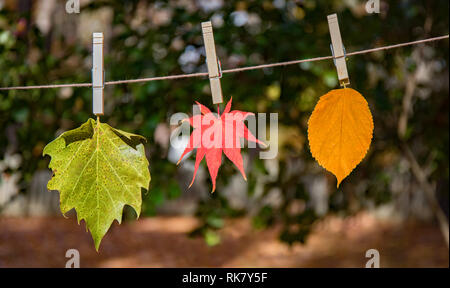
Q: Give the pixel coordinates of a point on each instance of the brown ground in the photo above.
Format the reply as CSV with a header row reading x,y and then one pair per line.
x,y
162,242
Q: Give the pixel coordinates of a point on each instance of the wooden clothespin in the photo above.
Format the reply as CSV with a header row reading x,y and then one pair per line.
x,y
98,73
338,50
214,70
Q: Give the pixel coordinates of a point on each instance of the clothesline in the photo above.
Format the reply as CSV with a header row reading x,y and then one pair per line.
x,y
234,70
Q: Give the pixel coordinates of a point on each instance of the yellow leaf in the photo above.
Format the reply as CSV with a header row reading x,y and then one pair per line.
x,y
340,131
273,92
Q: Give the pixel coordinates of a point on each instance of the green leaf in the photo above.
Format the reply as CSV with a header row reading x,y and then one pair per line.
x,y
212,238
98,170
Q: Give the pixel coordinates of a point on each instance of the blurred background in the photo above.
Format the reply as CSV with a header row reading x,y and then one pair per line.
x,y
289,212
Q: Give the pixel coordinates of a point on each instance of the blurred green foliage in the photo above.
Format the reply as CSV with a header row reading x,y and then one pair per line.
x,y
295,30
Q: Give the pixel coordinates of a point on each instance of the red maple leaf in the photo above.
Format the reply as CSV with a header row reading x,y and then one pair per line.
x,y
213,135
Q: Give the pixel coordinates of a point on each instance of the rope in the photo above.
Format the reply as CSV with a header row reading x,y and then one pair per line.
x,y
235,70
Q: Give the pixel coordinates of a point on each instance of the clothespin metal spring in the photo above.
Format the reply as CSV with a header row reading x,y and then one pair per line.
x,y
332,53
